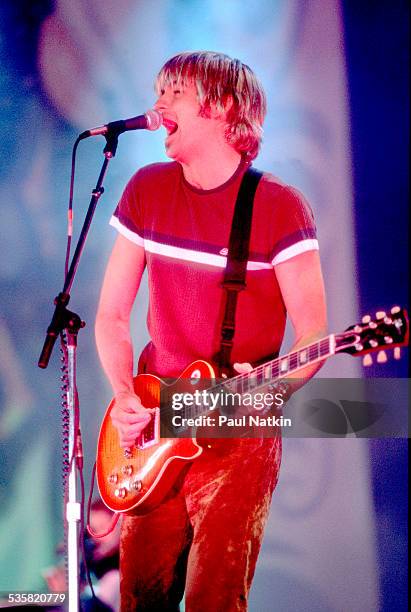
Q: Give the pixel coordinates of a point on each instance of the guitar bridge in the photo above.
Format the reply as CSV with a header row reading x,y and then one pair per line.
x,y
151,433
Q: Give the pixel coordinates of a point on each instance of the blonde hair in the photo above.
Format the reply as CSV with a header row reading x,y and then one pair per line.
x,y
228,85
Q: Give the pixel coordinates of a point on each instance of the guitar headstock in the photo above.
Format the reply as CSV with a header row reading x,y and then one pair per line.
x,y
385,331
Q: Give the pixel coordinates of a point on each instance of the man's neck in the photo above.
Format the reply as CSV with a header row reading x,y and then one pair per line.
x,y
211,171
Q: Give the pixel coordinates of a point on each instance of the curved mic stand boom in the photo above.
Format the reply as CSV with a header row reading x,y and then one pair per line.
x,y
63,319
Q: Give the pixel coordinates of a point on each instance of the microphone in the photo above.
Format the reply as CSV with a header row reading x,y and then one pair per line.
x,y
152,120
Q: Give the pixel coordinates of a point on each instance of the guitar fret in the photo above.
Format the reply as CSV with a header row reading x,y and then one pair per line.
x,y
239,384
313,351
325,347
293,361
275,369
284,365
229,385
251,380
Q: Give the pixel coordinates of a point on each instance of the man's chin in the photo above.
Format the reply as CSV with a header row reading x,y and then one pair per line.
x,y
171,153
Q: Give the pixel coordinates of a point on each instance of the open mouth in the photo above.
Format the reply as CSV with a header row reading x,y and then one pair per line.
x,y
171,126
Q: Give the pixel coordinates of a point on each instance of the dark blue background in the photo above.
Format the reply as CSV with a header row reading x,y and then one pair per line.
x,y
377,52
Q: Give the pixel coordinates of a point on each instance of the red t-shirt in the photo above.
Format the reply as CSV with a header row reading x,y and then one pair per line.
x,y
185,233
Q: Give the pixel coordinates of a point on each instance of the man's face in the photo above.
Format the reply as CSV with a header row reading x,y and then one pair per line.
x,y
188,134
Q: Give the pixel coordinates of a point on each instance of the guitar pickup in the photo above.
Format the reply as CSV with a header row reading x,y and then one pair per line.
x,y
151,433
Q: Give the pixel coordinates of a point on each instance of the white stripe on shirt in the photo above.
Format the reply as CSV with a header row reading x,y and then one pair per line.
x,y
310,244
210,259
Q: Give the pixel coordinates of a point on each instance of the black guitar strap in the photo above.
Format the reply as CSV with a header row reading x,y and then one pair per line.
x,y
236,267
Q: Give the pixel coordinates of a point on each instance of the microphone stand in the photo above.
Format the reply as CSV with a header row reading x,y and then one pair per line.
x,y
63,319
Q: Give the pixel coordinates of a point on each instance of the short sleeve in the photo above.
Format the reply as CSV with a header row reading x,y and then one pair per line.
x,y
127,218
294,226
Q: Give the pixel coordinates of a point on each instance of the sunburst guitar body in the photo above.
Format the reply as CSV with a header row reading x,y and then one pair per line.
x,y
138,479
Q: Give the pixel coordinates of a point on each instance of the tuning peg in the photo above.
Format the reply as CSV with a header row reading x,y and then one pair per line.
x,y
381,314
395,309
367,360
397,352
366,319
382,357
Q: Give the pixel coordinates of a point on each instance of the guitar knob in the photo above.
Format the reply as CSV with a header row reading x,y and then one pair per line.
x,y
113,478
137,485
358,347
366,319
395,309
380,314
397,352
382,357
387,339
127,470
373,343
367,360
122,492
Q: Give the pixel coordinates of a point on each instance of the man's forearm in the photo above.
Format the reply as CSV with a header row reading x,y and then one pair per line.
x,y
302,376
116,352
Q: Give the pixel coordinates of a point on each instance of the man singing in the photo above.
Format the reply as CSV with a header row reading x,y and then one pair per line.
x,y
175,218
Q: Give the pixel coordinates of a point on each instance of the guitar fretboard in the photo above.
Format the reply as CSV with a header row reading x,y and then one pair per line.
x,y
270,372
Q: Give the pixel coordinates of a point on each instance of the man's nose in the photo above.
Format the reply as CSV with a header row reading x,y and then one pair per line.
x,y
161,103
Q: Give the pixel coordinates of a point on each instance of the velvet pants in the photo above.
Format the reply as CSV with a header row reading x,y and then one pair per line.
x,y
205,539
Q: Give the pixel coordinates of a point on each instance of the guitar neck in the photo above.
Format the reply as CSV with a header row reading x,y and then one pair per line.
x,y
270,372
387,330
283,366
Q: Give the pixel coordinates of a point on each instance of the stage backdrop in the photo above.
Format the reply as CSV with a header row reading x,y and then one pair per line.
x,y
73,65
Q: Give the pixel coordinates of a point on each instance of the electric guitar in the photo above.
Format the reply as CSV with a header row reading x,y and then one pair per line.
x,y
137,479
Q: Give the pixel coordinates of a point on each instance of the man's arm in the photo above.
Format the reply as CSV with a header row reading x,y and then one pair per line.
x,y
302,287
121,282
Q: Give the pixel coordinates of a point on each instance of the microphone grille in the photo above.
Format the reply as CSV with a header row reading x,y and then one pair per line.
x,y
154,119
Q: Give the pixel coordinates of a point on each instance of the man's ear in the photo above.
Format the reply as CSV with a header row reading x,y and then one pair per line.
x,y
228,103
221,109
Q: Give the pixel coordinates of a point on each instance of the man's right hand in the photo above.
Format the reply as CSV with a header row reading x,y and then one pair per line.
x,y
129,417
